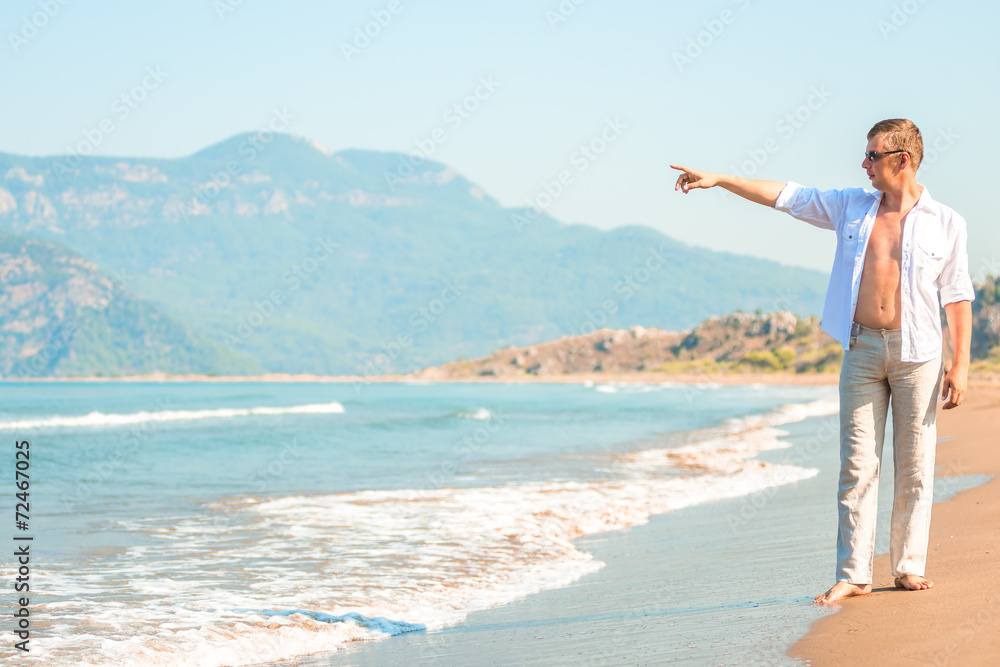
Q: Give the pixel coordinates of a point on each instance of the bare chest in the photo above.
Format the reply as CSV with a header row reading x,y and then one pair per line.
x,y
885,242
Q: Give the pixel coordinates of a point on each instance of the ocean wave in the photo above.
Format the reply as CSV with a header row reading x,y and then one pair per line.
x,y
478,413
627,387
615,387
730,445
372,564
98,419
790,413
367,565
303,574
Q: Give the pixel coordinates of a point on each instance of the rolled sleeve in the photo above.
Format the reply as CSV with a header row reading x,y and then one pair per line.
x,y
783,202
820,208
955,283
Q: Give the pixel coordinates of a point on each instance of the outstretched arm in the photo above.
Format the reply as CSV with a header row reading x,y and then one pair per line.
x,y
762,192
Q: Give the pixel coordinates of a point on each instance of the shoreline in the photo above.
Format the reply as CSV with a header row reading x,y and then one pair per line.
x,y
979,380
810,379
956,621
651,602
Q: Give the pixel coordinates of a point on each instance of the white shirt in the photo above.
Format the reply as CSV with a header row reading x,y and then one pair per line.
x,y
934,259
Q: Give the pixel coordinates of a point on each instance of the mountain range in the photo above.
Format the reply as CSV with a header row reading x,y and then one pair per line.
x,y
269,253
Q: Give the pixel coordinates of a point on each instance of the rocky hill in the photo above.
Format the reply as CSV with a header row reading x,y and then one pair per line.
x,y
60,316
735,343
739,342
986,326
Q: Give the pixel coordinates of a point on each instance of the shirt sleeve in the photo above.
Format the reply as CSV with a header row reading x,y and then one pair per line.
x,y
820,208
955,283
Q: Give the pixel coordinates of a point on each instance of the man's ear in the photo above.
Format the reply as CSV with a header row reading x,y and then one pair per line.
x,y
904,161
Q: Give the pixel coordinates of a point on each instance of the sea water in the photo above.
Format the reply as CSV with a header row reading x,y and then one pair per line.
x,y
240,523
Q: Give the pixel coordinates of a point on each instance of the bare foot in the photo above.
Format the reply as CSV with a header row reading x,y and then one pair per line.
x,y
913,582
843,589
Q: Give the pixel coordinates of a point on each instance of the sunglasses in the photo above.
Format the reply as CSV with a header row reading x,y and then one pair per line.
x,y
874,155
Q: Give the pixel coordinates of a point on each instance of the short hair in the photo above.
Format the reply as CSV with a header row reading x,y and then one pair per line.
x,y
900,135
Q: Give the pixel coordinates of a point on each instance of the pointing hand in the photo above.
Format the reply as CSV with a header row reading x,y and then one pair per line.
x,y
693,179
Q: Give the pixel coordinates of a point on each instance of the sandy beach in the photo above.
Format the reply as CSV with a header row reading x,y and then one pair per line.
x,y
957,622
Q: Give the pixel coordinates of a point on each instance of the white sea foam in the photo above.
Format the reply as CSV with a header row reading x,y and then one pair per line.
x,y
478,413
727,447
627,387
250,581
615,387
97,419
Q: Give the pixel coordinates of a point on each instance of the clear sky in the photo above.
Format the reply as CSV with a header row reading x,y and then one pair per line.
x,y
793,86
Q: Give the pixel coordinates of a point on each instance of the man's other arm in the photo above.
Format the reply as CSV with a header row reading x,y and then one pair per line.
x,y
761,192
956,381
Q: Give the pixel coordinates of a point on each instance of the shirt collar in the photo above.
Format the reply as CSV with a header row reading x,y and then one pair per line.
x,y
925,201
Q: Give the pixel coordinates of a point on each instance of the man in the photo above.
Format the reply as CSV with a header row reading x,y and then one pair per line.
x,y
897,250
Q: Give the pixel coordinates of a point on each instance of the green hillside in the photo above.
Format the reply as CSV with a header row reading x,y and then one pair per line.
x,y
305,261
59,316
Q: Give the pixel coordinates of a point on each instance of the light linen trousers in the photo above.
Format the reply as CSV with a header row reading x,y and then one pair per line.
x,y
871,376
